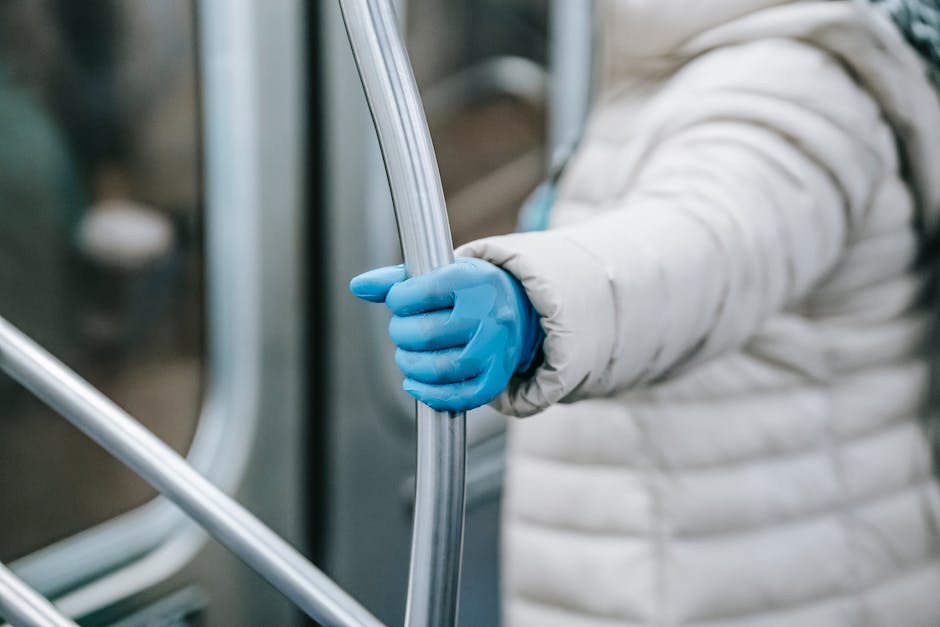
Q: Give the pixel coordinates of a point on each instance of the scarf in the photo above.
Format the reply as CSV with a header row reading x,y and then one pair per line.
x,y
919,22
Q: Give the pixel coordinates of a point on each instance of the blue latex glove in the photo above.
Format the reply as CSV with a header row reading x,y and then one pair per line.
x,y
462,331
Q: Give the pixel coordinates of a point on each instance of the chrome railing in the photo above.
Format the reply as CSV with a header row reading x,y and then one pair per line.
x,y
163,468
437,538
21,605
425,235
572,74
440,484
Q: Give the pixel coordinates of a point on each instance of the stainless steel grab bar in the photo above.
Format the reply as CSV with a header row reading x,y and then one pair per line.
x,y
21,605
572,64
158,464
437,539
426,242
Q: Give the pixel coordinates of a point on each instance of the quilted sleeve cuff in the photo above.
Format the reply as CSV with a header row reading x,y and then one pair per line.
x,y
574,297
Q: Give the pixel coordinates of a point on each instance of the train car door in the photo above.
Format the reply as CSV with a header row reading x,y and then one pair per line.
x,y
152,199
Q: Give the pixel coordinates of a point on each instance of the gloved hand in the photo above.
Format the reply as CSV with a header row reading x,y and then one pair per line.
x,y
462,331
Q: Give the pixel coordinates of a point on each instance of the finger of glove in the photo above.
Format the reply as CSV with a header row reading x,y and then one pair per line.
x,y
437,367
374,285
431,331
428,292
455,397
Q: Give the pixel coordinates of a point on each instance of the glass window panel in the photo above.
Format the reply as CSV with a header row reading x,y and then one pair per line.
x,y
490,143
100,244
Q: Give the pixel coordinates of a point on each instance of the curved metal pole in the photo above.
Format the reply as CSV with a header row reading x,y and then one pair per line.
x,y
162,467
24,607
437,540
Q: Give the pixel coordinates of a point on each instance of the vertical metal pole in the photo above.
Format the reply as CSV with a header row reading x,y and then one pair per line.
x,y
22,606
437,541
572,70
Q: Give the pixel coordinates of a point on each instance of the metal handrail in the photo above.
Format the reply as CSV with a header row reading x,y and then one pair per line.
x,y
572,69
392,93
230,523
439,512
21,605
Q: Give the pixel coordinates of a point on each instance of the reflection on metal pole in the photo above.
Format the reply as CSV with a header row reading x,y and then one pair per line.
x,y
437,541
164,469
24,607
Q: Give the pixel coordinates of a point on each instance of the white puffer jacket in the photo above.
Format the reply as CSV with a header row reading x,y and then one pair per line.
x,y
730,296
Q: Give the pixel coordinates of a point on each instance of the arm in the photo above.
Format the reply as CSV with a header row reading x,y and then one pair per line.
x,y
749,172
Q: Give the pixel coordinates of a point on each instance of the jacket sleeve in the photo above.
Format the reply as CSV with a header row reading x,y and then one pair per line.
x,y
717,203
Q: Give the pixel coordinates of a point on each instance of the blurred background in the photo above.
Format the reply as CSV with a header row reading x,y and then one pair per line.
x,y
186,188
